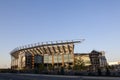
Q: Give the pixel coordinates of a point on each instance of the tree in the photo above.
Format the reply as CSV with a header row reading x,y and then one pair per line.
x,y
41,67
50,67
62,70
99,72
79,64
69,67
107,71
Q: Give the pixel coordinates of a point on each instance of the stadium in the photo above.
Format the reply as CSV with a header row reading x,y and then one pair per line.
x,y
55,54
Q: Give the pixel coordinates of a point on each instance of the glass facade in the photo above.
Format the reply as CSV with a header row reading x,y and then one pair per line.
x,y
38,59
58,58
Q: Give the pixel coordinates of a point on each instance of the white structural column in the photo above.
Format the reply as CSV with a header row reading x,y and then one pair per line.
x,y
19,60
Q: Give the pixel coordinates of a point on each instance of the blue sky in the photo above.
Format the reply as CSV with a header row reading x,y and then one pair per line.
x,y
29,21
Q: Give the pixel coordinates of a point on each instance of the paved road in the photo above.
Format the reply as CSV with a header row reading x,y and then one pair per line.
x,y
9,76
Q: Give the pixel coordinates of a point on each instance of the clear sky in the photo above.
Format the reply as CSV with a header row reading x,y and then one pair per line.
x,y
29,21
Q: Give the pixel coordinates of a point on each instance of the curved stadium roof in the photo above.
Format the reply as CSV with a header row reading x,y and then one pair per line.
x,y
51,47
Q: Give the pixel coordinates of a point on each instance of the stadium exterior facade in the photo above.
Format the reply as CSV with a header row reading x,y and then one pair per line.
x,y
54,56
57,54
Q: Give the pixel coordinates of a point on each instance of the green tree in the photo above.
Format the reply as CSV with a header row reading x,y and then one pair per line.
x,y
79,64
99,72
41,67
62,70
69,67
107,71
50,67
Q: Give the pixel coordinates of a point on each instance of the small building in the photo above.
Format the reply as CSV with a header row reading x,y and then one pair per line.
x,y
98,60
